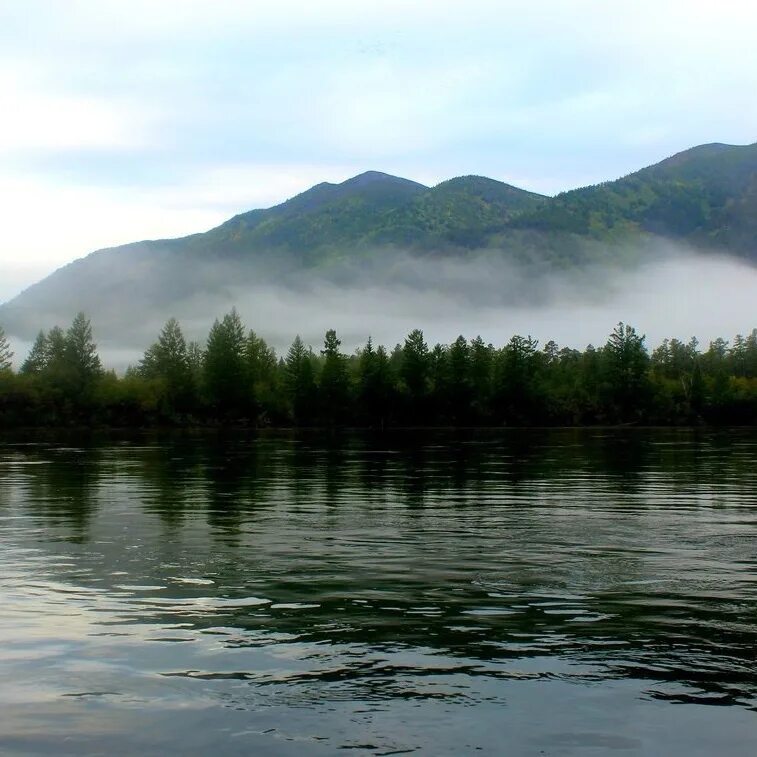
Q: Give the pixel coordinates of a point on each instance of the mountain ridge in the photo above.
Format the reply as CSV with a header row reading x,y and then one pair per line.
x,y
705,196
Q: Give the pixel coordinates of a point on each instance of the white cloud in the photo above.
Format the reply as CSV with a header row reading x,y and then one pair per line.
x,y
36,119
46,225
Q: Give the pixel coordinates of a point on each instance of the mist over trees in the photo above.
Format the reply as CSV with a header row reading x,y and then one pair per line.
x,y
236,378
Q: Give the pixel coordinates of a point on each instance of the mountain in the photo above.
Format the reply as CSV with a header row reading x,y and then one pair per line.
x,y
705,196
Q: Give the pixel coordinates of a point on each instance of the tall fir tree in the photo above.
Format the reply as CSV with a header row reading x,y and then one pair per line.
x,y
224,369
37,359
300,382
415,371
6,354
334,388
626,362
75,363
167,361
375,385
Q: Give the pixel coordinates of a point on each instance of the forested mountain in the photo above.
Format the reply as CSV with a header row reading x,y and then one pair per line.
x,y
705,196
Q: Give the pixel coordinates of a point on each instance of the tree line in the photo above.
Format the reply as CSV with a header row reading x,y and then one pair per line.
x,y
236,378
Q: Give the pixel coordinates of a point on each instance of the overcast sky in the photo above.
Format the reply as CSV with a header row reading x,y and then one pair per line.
x,y
142,119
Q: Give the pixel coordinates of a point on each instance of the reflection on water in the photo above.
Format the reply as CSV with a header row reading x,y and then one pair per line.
x,y
562,592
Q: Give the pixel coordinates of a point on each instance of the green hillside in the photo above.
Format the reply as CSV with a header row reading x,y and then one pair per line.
x,y
331,221
705,197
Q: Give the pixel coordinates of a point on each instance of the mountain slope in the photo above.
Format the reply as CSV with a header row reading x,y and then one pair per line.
x,y
705,196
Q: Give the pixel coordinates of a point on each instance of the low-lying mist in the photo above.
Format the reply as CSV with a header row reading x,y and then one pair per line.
x,y
673,293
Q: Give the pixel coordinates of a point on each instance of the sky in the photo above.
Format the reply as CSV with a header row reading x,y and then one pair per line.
x,y
140,119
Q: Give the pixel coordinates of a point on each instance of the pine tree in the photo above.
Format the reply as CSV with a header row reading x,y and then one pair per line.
x,y
262,373
37,360
481,363
515,376
167,361
74,363
6,355
375,385
626,362
415,370
300,382
460,393
224,369
334,389
80,350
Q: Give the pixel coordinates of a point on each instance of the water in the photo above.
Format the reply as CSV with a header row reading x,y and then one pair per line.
x,y
512,593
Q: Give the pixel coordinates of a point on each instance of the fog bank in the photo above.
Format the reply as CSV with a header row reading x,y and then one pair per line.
x,y
681,294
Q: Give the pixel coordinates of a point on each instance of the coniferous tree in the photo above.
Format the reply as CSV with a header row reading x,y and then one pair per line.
x,y
437,403
224,368
626,362
460,390
56,349
195,361
38,356
80,350
75,363
481,363
515,372
6,355
333,387
262,374
375,385
167,361
715,361
300,382
750,358
415,368
459,383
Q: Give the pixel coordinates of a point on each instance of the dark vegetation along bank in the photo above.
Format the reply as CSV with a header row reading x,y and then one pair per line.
x,y
236,378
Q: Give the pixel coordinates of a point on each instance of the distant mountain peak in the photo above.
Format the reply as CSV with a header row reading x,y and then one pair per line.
x,y
368,178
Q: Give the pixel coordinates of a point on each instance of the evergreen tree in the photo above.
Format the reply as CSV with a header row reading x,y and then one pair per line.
x,y
415,368
167,361
224,367
80,350
196,362
334,387
37,360
6,355
481,363
459,383
515,374
300,382
626,362
750,359
715,363
738,355
375,385
262,375
460,389
437,403
74,364
56,349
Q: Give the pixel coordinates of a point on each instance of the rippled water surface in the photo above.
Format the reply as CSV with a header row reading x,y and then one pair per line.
x,y
519,593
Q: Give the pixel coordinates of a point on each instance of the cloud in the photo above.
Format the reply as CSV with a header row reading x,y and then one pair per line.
x,y
38,120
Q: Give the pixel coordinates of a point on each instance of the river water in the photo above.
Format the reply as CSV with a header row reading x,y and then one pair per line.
x,y
511,593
